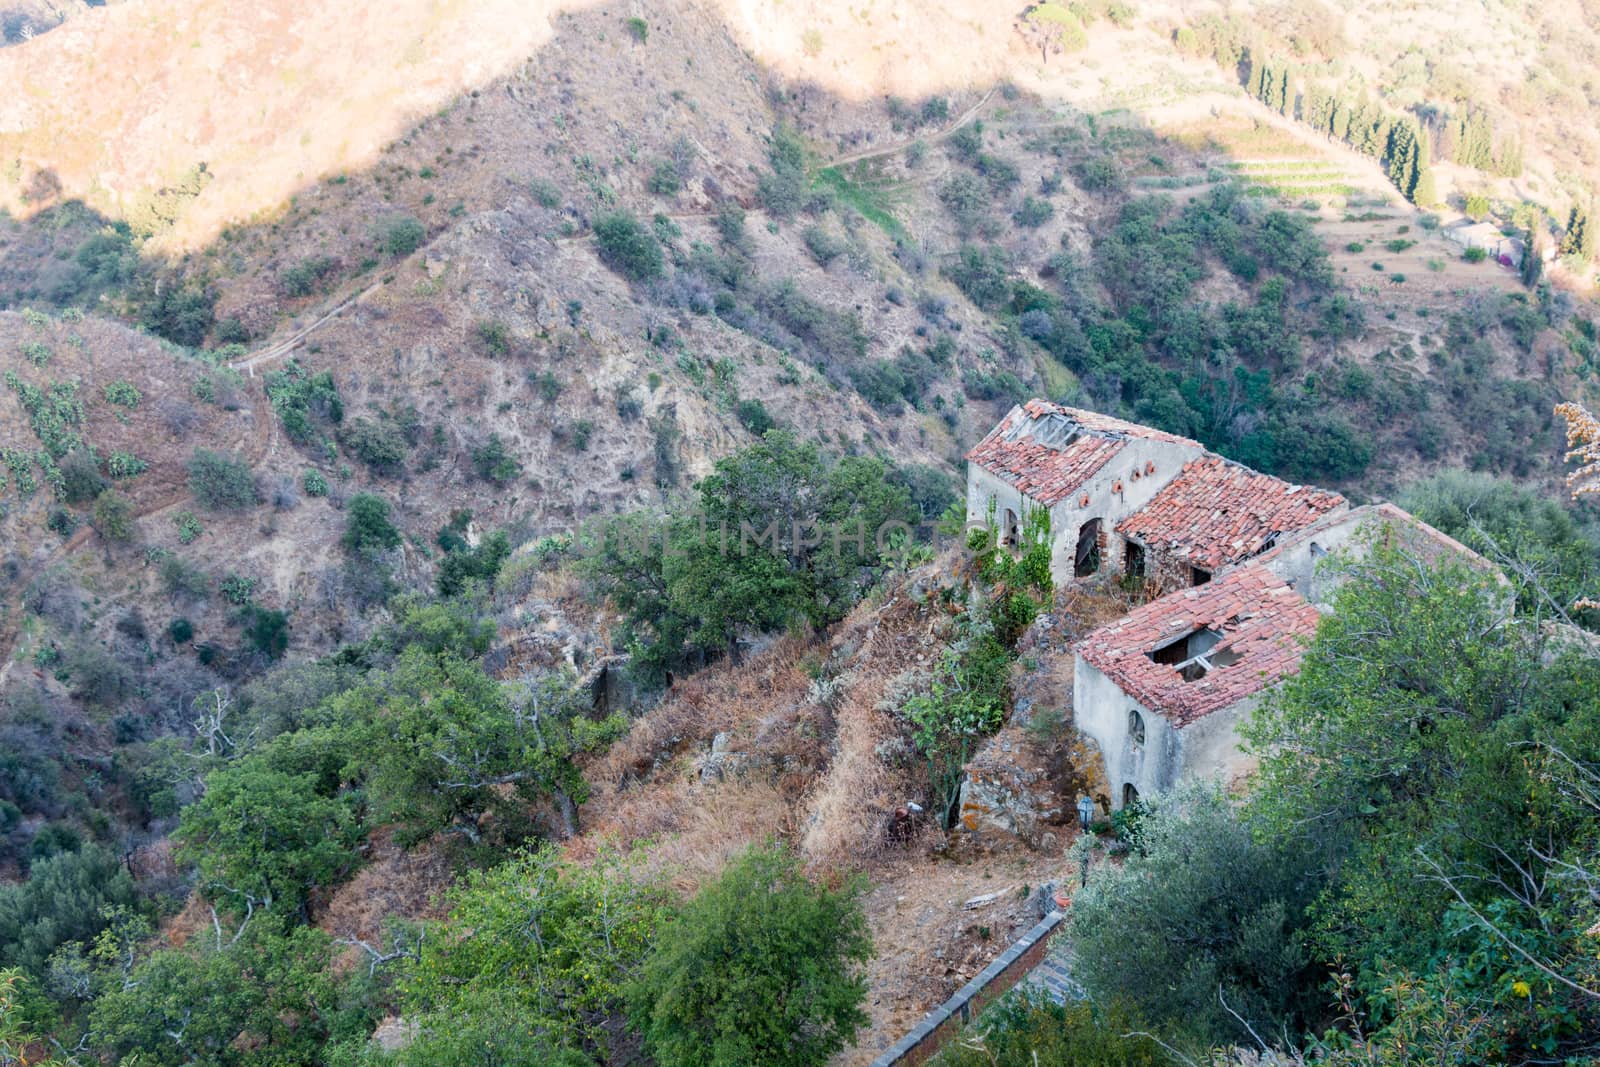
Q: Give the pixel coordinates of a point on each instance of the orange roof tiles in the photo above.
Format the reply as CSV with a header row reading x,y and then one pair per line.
x,y
1261,620
1048,472
1217,512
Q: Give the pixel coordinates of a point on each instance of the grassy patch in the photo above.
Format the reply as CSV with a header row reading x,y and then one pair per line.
x,y
873,197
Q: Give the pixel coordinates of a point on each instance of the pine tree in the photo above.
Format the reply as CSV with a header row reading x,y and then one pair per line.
x,y
1426,194
1579,240
1284,98
1339,119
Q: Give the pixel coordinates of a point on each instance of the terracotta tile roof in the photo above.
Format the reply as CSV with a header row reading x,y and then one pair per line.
x,y
1261,620
1047,450
1217,512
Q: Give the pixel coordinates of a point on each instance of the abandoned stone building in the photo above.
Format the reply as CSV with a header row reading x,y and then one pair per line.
x,y
1230,559
1127,499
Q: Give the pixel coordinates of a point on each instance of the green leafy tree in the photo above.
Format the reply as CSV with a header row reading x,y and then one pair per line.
x,y
780,537
761,969
538,944
262,995
1203,921
1031,1030
1411,757
262,837
445,741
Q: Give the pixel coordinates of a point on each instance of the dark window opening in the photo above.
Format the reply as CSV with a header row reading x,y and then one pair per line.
x,y
1195,654
1130,795
1008,530
1133,560
1135,727
1199,577
1086,560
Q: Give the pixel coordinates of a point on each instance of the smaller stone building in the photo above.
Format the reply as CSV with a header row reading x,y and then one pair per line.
x,y
1088,470
1163,690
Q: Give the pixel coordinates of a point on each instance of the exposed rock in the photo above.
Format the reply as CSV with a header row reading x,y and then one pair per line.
x,y
1010,788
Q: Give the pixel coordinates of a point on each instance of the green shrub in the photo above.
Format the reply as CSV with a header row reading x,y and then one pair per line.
x,y
1033,213
627,247
494,336
66,898
1206,907
221,481
782,190
125,465
545,193
638,29
181,631
305,277
237,589
314,483
729,985
113,516
1475,255
379,443
1031,1030
401,236
123,393
302,399
664,179
753,415
823,246
495,463
189,527
368,529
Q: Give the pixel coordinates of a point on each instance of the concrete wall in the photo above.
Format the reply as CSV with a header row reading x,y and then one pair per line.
x,y
1114,494
1100,710
945,1021
1206,748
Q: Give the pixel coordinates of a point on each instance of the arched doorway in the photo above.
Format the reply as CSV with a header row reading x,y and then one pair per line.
x,y
1130,795
1086,560
1008,529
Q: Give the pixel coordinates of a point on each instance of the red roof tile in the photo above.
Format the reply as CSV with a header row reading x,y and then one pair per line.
x,y
1261,620
1044,459
1217,512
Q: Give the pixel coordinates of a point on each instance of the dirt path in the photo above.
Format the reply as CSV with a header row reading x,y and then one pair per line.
x,y
264,432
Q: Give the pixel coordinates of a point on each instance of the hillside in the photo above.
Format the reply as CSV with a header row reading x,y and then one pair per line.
x,y
330,335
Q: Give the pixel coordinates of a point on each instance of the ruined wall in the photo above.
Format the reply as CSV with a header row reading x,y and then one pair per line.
x,y
1206,748
1100,710
1209,747
1126,484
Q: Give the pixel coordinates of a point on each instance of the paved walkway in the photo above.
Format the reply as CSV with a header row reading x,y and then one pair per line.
x,y
1053,976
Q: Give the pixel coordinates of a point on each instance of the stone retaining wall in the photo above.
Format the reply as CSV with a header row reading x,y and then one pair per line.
x,y
945,1021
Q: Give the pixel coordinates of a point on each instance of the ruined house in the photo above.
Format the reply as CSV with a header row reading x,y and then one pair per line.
x,y
1231,557
1126,499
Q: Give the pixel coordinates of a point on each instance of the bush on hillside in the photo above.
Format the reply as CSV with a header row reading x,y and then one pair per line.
x,y
628,247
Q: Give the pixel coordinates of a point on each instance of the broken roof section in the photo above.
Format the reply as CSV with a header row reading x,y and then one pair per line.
x,y
1217,512
1242,633
1048,450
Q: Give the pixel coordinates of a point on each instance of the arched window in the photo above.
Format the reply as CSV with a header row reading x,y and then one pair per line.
x,y
1130,795
1135,727
1086,560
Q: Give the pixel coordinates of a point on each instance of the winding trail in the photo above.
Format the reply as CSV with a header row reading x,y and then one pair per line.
x,y
264,431
264,425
